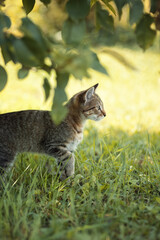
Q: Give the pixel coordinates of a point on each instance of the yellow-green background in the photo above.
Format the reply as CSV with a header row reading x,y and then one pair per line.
x,y
131,97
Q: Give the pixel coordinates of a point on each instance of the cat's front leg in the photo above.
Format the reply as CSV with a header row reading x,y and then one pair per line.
x,y
65,160
67,167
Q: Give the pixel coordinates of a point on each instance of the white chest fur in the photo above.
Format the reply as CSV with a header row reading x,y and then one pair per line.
x,y
72,145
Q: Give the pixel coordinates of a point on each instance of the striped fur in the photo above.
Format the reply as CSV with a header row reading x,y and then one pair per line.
x,y
35,131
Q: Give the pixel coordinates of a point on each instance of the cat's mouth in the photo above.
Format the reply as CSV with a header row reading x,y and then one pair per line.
x,y
100,118
96,118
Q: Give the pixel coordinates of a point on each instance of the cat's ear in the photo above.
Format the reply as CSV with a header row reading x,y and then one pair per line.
x,y
95,86
89,93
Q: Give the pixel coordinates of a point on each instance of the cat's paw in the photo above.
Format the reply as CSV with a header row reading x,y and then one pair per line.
x,y
63,176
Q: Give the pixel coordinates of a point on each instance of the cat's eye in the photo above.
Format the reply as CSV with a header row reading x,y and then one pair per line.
x,y
99,108
88,109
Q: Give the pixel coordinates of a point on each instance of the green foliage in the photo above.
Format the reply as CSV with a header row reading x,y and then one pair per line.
x,y
144,34
60,97
155,4
104,20
78,9
3,78
96,64
4,22
47,88
35,41
28,5
46,2
30,50
73,55
109,6
21,50
73,32
136,11
23,73
2,3
33,33
120,4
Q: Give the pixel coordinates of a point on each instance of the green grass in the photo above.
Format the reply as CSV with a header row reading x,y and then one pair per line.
x,y
115,193
116,190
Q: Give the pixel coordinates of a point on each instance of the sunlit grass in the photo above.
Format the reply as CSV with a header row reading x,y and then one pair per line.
x,y
116,190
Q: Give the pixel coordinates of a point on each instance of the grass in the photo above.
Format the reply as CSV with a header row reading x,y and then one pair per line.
x,y
115,193
116,190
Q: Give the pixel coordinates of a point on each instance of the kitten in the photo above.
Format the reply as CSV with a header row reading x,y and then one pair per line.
x,y
35,131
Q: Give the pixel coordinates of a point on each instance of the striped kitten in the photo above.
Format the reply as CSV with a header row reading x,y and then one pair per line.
x,y
35,131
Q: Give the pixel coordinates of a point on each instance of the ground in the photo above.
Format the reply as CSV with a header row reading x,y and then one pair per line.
x,y
116,190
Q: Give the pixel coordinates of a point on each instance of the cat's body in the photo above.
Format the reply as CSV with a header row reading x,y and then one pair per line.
x,y
35,131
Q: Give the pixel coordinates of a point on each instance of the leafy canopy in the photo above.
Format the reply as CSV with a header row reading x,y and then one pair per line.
x,y
73,55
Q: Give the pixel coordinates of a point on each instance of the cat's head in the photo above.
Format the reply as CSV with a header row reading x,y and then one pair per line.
x,y
89,104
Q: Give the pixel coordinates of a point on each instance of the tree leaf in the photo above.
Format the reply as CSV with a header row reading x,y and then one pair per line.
x,y
46,2
24,55
92,2
80,61
96,65
58,110
32,31
28,5
23,73
155,5
47,88
111,8
34,39
5,48
35,48
75,61
2,3
32,43
157,21
120,4
5,21
73,32
103,19
8,51
5,53
136,11
144,34
3,78
78,9
62,81
58,113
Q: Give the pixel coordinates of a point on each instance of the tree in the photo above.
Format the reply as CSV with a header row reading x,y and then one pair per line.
x,y
73,55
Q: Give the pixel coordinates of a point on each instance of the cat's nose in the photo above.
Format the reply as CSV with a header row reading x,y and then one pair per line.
x,y
104,113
